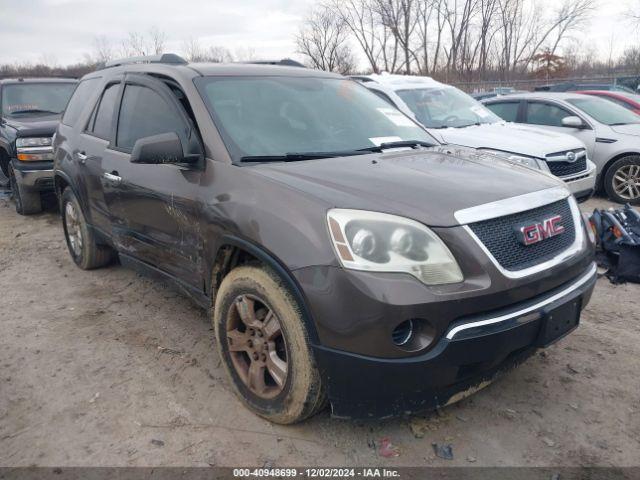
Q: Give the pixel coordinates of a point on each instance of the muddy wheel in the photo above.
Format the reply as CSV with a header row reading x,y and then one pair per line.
x,y
80,238
264,346
622,181
27,202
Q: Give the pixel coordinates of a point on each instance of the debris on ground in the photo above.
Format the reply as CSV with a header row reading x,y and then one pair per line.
x,y
95,397
388,449
548,442
420,425
444,451
471,459
157,443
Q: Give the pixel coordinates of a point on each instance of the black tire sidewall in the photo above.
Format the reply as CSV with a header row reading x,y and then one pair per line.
x,y
608,179
15,190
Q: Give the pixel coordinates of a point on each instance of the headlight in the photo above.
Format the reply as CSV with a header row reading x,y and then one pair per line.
x,y
379,242
521,159
590,227
34,149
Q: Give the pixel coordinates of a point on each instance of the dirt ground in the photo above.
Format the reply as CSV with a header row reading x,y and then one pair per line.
x,y
113,369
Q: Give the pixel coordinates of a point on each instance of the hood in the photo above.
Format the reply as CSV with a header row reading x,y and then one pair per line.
x,y
629,129
428,186
38,125
511,137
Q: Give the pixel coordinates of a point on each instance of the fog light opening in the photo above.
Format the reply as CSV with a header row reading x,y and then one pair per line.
x,y
402,333
413,335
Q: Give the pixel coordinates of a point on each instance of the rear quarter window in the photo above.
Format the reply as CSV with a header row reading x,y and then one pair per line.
x,y
78,101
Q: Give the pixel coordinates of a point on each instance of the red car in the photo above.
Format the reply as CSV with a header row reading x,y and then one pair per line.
x,y
630,101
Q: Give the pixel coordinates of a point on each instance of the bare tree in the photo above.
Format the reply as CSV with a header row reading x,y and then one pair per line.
x,y
323,39
365,26
103,49
401,18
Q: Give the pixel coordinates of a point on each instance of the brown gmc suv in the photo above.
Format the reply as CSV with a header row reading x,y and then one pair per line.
x,y
345,255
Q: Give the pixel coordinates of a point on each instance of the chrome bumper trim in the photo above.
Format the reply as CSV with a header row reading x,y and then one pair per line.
x,y
577,284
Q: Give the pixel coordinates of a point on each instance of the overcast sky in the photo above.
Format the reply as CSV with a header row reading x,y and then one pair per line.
x,y
62,31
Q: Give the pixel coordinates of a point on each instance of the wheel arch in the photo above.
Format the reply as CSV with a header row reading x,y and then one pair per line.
x,y
612,160
233,251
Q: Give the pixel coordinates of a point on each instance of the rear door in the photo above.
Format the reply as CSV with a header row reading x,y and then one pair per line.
x,y
91,150
154,207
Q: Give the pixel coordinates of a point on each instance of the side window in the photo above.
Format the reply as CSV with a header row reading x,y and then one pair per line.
x,y
508,111
101,121
145,113
78,101
546,114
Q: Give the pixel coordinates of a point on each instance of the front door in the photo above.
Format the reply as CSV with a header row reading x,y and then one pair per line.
x,y
549,115
154,207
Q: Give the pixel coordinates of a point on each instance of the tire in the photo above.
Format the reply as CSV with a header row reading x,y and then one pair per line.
x,y
622,180
299,393
81,241
27,202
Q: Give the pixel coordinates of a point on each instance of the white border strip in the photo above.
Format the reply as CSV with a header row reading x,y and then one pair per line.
x,y
581,281
512,205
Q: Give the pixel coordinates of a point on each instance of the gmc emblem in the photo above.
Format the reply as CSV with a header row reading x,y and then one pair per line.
x,y
539,231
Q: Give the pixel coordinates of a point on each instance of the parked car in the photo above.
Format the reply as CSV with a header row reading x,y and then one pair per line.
x,y
610,132
496,92
341,247
574,87
454,117
29,113
630,101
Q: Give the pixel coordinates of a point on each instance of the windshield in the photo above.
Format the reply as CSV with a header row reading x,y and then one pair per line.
x,y
276,116
446,107
35,98
604,111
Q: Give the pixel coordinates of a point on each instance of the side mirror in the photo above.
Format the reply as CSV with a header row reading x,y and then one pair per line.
x,y
572,122
158,149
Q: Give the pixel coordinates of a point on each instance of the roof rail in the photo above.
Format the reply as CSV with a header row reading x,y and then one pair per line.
x,y
169,58
285,62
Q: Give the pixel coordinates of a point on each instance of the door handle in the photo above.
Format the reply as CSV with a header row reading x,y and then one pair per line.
x,y
82,157
112,177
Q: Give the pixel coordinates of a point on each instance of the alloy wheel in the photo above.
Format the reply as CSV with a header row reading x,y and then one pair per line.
x,y
257,346
74,230
626,182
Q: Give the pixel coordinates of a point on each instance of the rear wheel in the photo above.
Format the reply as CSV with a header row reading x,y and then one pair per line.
x,y
264,346
27,202
81,241
622,181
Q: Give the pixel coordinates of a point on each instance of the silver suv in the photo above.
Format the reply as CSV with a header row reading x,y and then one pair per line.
x,y
454,117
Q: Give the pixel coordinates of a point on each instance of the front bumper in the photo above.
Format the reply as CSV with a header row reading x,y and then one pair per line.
x,y
35,175
583,184
466,358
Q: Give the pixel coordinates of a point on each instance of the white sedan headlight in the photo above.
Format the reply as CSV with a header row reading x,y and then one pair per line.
x,y
34,149
521,159
379,242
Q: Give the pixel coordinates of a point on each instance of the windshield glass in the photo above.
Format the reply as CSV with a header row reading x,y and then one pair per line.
x,y
35,98
605,112
274,116
446,107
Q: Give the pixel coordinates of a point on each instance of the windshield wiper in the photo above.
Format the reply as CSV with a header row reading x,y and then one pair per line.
x,y
618,124
474,124
398,144
34,110
294,157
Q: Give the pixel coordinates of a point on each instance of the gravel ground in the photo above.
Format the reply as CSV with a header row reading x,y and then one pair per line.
x,y
110,368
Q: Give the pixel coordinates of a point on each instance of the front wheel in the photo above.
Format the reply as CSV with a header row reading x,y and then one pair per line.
x,y
81,240
27,201
622,181
264,346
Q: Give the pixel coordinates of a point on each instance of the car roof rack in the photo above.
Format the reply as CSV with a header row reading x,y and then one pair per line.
x,y
285,62
168,58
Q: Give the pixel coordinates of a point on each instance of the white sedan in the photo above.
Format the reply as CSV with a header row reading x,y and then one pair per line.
x,y
610,132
